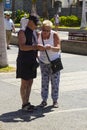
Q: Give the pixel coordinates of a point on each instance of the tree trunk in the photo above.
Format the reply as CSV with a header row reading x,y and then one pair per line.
x,y
77,8
45,9
33,10
78,3
13,10
3,47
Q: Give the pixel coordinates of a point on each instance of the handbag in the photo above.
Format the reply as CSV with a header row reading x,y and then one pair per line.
x,y
56,65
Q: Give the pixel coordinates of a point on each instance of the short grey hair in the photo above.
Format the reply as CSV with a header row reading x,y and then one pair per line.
x,y
47,23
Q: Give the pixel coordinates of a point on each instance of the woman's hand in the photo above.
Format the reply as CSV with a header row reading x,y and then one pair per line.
x,y
40,47
48,47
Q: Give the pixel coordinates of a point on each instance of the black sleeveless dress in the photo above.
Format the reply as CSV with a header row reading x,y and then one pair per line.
x,y
26,60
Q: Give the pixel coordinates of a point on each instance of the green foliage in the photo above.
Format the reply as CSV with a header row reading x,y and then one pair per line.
x,y
52,20
34,1
68,21
41,19
63,20
72,21
19,15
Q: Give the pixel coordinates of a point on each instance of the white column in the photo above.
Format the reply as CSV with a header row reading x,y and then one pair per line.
x,y
83,20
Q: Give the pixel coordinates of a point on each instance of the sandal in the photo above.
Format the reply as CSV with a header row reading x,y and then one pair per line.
x,y
55,104
43,104
28,107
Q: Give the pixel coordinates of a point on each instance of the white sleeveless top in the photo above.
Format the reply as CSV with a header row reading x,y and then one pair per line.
x,y
52,55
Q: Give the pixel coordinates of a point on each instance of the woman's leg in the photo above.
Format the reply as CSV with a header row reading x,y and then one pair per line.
x,y
44,81
55,79
25,90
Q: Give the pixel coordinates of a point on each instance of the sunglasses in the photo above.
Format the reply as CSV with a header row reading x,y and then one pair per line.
x,y
45,30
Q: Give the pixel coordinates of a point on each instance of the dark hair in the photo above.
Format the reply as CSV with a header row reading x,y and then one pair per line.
x,y
35,19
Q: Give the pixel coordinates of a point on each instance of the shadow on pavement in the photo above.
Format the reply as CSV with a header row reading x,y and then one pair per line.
x,y
23,116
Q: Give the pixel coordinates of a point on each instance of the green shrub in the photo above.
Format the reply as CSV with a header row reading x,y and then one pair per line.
x,y
19,15
52,20
72,21
63,20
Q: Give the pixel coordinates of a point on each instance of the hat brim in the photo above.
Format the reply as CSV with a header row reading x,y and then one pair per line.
x,y
8,12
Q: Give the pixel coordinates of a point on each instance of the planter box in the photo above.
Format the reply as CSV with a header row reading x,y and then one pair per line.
x,y
14,39
74,46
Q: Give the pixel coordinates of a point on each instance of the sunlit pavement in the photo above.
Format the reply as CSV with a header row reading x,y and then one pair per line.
x,y
72,111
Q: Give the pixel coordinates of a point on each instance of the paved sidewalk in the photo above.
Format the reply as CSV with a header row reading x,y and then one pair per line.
x,y
72,111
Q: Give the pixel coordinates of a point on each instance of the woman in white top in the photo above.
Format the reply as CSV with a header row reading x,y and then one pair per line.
x,y
52,45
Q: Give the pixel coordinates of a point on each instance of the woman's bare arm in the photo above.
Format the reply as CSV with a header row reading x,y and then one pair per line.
x,y
22,41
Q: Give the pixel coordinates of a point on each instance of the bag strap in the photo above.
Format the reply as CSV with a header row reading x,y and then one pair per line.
x,y
45,50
